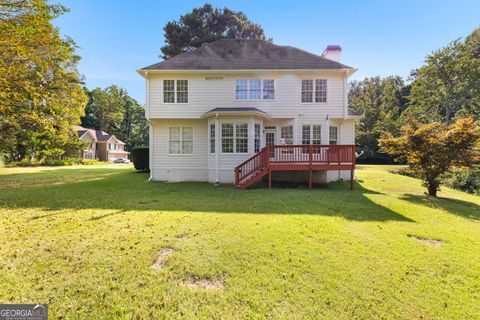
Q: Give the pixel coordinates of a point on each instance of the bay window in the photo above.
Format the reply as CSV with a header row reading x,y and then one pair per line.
x,y
256,142
212,138
234,138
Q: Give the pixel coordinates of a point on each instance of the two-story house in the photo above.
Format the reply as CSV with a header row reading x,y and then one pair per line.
x,y
236,111
100,145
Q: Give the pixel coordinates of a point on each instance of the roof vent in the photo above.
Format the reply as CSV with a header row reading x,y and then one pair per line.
x,y
332,52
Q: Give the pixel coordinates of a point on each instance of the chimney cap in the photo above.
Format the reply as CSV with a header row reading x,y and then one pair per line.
x,y
332,47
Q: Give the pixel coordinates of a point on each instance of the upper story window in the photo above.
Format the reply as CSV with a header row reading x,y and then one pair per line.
x,y
254,89
112,146
333,132
180,140
175,91
314,90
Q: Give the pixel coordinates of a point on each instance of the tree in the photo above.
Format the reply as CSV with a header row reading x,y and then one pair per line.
x,y
432,149
41,98
448,85
114,111
381,101
206,24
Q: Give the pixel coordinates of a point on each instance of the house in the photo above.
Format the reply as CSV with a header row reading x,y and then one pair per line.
x,y
100,145
236,111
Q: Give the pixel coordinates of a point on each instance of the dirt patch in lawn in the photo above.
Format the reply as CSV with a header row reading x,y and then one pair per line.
x,y
429,242
161,258
204,284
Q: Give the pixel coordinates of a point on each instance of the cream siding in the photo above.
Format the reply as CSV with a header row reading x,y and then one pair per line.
x,y
204,95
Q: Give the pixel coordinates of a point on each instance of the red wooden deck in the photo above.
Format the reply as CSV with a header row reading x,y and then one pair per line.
x,y
295,157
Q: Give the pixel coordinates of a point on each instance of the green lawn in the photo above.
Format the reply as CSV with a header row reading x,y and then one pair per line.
x,y
84,239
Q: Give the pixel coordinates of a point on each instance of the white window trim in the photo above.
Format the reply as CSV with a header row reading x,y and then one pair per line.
x,y
181,142
234,137
310,126
175,91
314,89
338,135
259,138
248,89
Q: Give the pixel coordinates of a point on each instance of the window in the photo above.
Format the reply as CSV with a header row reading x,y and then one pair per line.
x,y
254,89
182,91
112,146
241,89
333,135
234,137
227,137
212,138
268,90
256,141
319,87
175,91
168,91
180,140
311,134
307,90
321,90
286,135
241,138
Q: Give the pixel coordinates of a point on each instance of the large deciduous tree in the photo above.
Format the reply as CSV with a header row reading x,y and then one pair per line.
x,y
206,24
432,149
381,101
41,98
448,85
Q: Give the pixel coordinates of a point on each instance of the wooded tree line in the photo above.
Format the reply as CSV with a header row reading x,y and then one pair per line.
x,y
444,89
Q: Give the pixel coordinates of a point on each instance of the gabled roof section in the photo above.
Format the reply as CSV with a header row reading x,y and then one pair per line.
x,y
233,54
97,135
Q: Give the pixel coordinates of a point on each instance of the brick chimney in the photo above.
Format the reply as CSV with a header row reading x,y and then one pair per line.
x,y
332,52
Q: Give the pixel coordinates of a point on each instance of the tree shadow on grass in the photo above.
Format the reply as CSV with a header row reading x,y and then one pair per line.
x,y
125,190
454,206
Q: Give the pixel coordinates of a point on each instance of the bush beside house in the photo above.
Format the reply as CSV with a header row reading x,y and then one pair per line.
x,y
140,157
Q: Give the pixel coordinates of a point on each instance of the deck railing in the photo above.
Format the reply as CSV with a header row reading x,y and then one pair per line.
x,y
296,154
312,153
246,168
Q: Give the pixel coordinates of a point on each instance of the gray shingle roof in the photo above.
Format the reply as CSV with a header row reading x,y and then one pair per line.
x,y
237,110
232,54
99,134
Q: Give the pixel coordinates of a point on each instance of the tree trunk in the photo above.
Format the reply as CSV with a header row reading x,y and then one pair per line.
x,y
432,190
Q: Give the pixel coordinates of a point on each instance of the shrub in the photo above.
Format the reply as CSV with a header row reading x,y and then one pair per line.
x,y
91,162
140,156
465,179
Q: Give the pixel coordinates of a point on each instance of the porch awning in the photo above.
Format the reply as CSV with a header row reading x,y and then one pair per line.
x,y
236,111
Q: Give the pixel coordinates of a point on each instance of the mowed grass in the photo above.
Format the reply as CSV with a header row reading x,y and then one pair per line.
x,y
84,239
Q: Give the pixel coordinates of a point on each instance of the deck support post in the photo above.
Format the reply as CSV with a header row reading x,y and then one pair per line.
x,y
352,177
310,178
269,179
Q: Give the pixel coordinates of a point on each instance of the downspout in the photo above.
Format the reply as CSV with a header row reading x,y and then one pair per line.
x,y
151,132
217,149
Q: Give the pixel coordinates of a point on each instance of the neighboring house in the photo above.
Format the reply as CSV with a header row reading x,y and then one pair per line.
x,y
100,145
213,111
